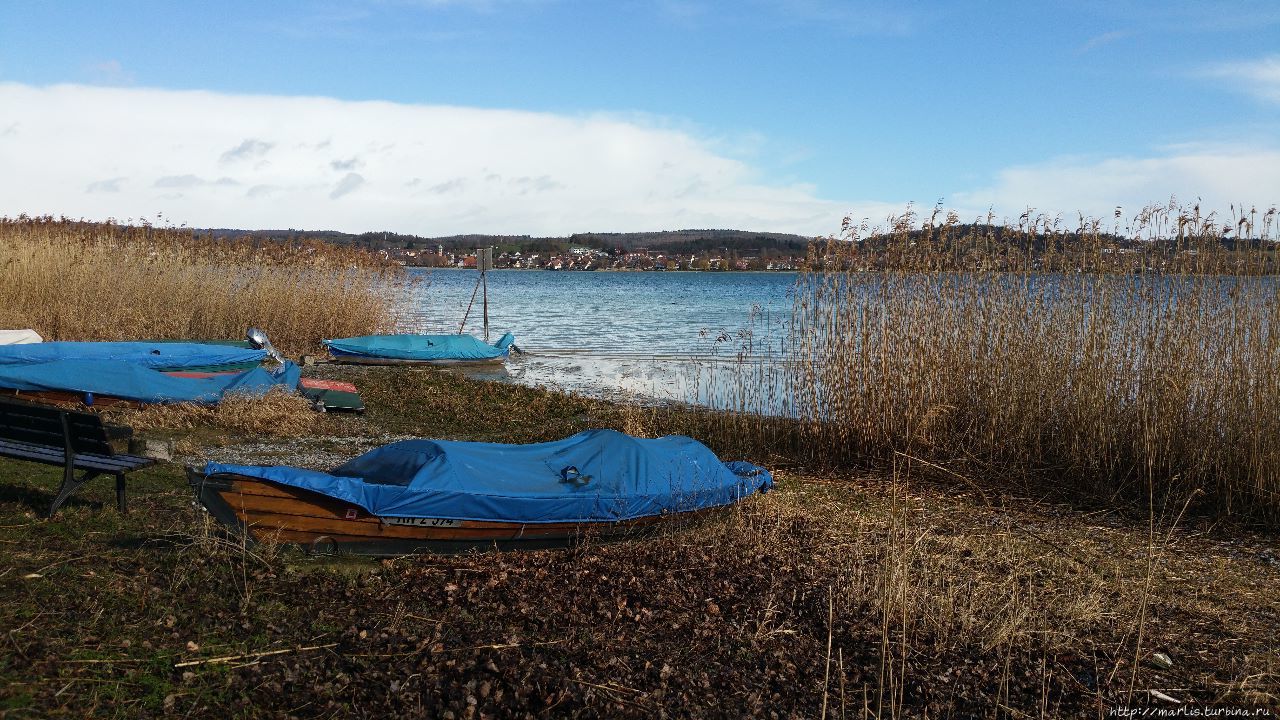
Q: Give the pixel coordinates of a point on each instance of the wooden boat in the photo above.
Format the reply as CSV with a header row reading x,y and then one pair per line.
x,y
264,511
448,496
62,397
331,395
325,395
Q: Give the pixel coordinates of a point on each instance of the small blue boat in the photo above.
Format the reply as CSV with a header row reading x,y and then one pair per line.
x,y
160,356
108,382
416,349
448,496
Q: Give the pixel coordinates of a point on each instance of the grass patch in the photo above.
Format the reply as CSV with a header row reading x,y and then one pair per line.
x,y
868,594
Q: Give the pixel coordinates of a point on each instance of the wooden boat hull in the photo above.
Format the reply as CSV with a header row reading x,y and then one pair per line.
x,y
60,396
263,511
331,396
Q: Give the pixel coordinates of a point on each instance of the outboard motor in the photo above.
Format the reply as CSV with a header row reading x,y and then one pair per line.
x,y
259,340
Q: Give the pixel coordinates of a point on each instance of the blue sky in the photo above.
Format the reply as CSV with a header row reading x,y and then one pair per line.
x,y
774,114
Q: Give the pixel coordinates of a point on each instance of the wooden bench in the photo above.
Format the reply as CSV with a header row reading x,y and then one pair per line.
x,y
74,440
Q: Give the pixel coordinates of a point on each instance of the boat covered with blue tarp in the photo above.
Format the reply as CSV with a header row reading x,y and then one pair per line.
x,y
170,356
126,380
444,495
408,349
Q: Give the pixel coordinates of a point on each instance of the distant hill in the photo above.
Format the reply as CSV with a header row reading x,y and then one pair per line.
x,y
742,242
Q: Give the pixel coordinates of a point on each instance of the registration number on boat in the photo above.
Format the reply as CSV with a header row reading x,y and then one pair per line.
x,y
421,522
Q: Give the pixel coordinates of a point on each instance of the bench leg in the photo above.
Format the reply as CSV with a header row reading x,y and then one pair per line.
x,y
120,503
70,484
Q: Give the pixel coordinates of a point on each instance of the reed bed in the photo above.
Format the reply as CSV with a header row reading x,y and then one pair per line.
x,y
277,414
1140,363
72,280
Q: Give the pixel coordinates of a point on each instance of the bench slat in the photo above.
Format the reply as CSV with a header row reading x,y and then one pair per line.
x,y
39,424
79,444
54,456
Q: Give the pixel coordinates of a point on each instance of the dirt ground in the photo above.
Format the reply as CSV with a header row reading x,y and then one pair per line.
x,y
887,593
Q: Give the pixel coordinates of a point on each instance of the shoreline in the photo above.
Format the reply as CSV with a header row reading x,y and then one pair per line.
x,y
798,600
594,270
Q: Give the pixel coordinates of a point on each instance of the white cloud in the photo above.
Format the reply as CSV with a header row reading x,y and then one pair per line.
x,y
265,161
687,13
1105,38
190,181
1260,78
110,72
476,5
849,17
249,149
347,185
1215,177
110,185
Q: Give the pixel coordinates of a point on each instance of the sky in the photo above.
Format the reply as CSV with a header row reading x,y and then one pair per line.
x,y
550,117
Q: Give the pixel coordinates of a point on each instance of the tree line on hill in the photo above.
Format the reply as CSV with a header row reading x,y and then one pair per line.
x,y
677,242
931,247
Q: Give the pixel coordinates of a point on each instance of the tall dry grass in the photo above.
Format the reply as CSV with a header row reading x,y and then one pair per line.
x,y
276,414
1143,363
73,280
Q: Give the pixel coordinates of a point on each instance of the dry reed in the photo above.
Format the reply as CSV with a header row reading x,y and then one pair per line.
x,y
275,414
74,280
1140,362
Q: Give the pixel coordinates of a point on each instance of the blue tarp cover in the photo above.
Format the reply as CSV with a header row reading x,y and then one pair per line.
x,y
126,380
171,356
421,347
619,478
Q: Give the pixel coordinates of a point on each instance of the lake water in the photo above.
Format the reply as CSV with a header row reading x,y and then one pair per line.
x,y
650,334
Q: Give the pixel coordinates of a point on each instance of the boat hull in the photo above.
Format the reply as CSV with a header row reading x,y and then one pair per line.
x,y
325,395
263,511
225,368
351,359
61,396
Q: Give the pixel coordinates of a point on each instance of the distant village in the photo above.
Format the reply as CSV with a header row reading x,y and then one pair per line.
x,y
583,258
